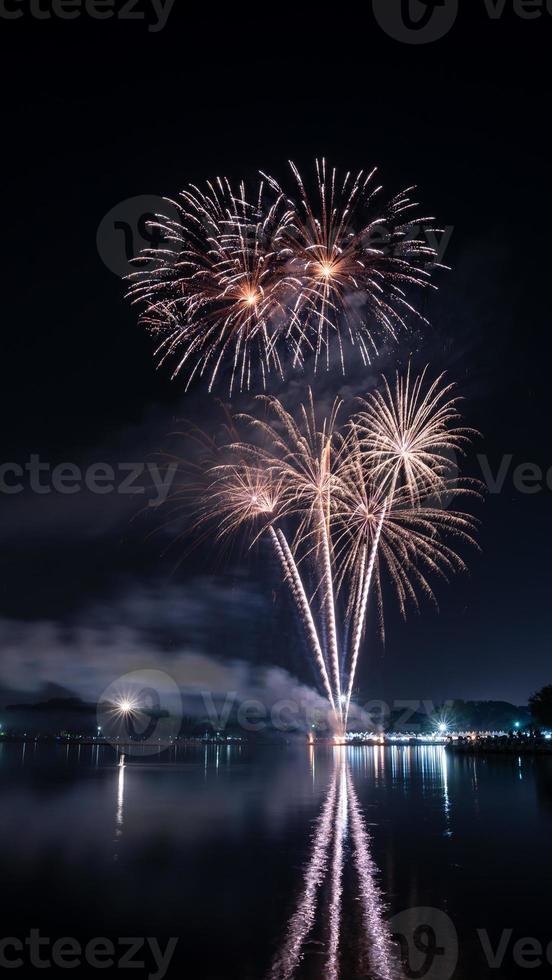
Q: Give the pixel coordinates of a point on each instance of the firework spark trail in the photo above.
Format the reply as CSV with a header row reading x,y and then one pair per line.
x,y
361,611
252,279
302,921
406,543
303,462
407,437
329,605
292,573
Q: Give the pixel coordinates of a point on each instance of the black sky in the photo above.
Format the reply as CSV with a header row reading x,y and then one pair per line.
x,y
97,112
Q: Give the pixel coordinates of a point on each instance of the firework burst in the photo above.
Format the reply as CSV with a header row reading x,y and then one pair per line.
x,y
343,515
216,288
276,277
352,260
412,433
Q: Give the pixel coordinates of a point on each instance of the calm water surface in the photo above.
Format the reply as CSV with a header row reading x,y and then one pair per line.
x,y
284,862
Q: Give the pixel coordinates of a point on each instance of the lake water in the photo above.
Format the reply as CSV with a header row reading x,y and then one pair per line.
x,y
280,862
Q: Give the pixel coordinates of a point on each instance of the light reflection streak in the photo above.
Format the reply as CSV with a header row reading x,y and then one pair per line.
x,y
312,762
120,801
301,922
377,950
446,797
340,843
337,875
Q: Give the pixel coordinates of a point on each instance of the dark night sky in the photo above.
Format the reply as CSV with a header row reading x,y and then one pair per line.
x,y
96,112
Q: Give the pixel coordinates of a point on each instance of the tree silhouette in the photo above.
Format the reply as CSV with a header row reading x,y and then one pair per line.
x,y
541,706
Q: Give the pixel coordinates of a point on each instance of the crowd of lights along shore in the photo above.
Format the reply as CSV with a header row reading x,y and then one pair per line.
x,y
268,277
345,505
